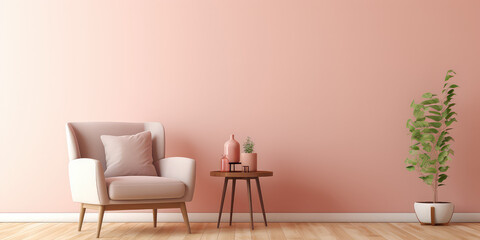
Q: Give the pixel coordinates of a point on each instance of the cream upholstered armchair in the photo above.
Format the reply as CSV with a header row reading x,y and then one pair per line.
x,y
176,175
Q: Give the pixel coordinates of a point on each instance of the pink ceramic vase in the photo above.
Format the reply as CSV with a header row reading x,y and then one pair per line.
x,y
232,149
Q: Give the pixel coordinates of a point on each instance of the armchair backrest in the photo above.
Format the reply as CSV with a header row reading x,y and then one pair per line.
x,y
83,138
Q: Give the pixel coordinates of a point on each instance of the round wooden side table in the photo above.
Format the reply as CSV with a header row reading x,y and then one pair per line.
x,y
234,176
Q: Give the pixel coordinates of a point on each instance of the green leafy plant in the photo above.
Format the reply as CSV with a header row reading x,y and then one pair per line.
x,y
248,145
430,131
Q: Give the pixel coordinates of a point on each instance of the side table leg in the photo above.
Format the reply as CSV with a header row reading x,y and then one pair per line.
x,y
233,197
261,200
155,217
221,203
250,200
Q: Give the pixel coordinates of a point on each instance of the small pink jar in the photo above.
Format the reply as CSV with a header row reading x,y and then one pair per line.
x,y
225,167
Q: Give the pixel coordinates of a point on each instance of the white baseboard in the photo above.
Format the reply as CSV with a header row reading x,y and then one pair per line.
x,y
237,217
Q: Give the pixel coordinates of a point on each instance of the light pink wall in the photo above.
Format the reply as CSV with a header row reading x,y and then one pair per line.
x,y
323,87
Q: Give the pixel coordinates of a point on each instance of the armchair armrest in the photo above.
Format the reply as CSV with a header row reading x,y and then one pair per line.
x,y
87,181
180,168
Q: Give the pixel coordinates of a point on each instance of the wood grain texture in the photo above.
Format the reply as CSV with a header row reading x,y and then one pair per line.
x,y
241,174
242,231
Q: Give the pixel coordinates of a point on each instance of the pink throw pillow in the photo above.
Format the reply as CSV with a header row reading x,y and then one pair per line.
x,y
129,155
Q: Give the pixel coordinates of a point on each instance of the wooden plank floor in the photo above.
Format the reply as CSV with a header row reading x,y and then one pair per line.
x,y
241,231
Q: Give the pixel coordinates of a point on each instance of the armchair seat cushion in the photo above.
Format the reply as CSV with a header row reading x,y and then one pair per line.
x,y
144,188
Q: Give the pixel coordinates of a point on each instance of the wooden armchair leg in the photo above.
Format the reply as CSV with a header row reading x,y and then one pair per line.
x,y
82,215
101,211
154,217
185,216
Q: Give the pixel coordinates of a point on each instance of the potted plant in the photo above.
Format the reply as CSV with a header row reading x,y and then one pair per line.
x,y
431,149
248,157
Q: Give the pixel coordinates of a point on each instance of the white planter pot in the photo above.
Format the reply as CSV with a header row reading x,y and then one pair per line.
x,y
442,215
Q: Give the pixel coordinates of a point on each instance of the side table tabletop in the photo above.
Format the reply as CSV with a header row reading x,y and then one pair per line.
x,y
242,176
